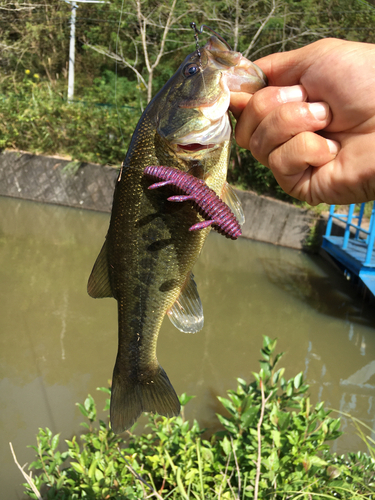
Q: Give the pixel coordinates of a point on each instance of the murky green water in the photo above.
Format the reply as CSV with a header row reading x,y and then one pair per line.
x,y
57,344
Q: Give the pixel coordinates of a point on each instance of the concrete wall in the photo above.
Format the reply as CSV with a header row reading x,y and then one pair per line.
x,y
50,180
275,221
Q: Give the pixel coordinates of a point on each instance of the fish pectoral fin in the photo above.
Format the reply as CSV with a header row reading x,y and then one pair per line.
x,y
99,285
129,398
186,314
229,196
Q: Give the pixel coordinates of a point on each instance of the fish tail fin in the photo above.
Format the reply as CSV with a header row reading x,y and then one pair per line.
x,y
129,398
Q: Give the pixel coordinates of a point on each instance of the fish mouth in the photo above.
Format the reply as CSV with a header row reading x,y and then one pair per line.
x,y
212,134
192,148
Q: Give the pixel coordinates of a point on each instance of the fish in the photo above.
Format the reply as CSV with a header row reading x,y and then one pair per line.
x,y
148,254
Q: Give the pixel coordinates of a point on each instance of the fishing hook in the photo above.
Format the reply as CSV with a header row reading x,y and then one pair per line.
x,y
200,31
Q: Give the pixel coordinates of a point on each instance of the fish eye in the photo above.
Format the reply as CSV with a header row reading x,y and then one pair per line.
x,y
191,69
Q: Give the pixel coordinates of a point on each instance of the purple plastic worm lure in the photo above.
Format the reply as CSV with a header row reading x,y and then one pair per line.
x,y
205,200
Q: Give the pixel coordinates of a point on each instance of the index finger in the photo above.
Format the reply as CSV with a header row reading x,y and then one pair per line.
x,y
238,102
287,68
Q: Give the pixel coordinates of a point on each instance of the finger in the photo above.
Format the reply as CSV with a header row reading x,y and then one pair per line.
x,y
285,122
238,101
287,68
297,160
262,103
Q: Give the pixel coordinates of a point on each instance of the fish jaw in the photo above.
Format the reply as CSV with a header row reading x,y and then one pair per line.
x,y
203,116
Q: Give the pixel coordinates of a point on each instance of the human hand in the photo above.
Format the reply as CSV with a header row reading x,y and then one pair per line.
x,y
314,125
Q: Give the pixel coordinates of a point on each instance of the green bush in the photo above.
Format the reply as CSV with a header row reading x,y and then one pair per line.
x,y
36,117
273,445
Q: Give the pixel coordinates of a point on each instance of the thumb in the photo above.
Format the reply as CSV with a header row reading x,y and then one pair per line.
x,y
287,68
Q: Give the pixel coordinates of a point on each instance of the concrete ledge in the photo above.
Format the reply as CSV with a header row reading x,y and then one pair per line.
x,y
47,179
43,178
275,221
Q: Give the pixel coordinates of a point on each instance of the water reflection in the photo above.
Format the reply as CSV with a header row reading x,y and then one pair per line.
x,y
315,287
57,344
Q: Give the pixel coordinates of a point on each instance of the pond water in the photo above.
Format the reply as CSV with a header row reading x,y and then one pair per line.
x,y
58,344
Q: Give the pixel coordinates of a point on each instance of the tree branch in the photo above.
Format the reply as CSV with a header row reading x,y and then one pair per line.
x,y
118,58
260,29
259,426
28,478
139,477
279,42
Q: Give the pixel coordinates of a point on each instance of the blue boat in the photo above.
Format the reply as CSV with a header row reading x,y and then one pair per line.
x,y
353,251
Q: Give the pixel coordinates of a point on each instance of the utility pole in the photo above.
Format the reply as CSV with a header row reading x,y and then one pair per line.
x,y
74,5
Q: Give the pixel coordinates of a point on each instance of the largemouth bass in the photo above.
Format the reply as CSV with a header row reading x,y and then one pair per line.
x,y
147,259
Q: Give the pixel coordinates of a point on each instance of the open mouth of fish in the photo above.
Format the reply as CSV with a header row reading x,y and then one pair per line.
x,y
215,127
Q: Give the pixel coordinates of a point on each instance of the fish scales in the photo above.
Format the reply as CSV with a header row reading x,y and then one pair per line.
x,y
149,252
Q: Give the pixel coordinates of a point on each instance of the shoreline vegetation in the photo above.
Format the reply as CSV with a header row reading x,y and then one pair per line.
x,y
125,51
274,443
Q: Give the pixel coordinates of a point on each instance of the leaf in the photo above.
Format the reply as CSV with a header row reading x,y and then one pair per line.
x,y
283,419
92,469
99,474
191,474
55,441
207,454
184,399
180,485
227,424
278,374
317,461
249,415
60,482
276,438
104,389
225,444
228,405
82,409
242,382
298,380
78,467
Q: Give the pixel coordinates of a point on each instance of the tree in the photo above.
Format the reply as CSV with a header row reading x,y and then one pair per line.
x,y
148,28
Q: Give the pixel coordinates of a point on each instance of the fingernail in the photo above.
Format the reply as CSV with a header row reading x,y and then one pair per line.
x,y
334,146
296,93
319,110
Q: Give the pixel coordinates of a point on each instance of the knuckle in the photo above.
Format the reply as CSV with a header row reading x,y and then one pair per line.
x,y
293,114
255,146
275,160
263,101
241,137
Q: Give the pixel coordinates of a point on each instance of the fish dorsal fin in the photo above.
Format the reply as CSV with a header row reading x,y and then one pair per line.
x,y
229,196
99,285
186,314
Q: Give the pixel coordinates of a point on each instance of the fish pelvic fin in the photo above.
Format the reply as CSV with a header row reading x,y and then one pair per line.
x,y
186,314
230,197
129,398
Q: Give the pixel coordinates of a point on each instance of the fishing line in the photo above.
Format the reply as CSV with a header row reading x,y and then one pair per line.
x,y
200,31
198,51
197,46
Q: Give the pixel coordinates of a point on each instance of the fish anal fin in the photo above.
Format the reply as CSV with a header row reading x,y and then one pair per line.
x,y
186,314
129,398
229,196
99,285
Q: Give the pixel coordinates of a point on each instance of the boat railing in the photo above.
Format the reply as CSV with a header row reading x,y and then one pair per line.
x,y
349,219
